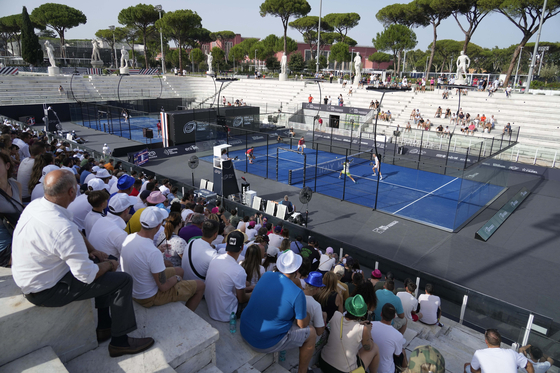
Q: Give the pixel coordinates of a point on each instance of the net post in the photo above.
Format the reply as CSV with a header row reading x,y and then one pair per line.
x,y
267,138
289,177
420,150
344,182
246,158
316,168
277,156
304,166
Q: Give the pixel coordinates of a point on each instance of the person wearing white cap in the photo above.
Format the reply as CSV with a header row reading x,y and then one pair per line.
x,y
267,323
108,234
226,283
52,267
104,175
199,253
93,174
154,284
106,151
38,191
81,207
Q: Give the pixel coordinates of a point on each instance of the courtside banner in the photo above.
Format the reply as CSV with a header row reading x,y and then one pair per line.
x,y
497,220
142,157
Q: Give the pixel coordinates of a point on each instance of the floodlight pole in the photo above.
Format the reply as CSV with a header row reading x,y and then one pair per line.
x,y
159,9
319,36
517,71
112,28
535,50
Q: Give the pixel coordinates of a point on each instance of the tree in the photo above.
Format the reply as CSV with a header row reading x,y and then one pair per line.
x,y
395,38
11,28
265,48
308,27
173,56
142,17
432,12
402,14
218,57
272,63
549,72
182,26
340,53
223,36
106,36
197,56
128,35
474,14
525,15
285,9
60,18
379,57
296,62
31,51
342,22
290,43
447,50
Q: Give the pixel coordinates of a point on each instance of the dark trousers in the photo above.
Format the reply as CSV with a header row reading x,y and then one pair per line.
x,y
113,289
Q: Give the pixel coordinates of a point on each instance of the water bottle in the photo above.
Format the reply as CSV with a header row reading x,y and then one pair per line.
x,y
232,323
282,356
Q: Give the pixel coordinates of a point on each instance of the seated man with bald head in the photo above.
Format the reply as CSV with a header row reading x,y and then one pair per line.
x,y
52,266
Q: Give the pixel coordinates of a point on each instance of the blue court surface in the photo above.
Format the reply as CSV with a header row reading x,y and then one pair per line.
x,y
439,200
119,127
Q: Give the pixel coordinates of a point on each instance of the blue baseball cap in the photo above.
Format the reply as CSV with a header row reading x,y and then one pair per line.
x,y
125,182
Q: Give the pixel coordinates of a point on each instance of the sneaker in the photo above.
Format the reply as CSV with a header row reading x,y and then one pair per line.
x,y
339,176
355,181
380,177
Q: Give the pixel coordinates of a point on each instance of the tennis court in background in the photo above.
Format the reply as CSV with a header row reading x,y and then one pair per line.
x,y
438,200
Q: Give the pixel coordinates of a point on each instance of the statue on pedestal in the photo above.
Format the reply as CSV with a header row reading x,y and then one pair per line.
x,y
95,53
125,57
283,63
463,63
50,52
209,60
358,68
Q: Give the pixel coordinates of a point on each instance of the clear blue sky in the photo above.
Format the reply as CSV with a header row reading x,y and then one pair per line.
x,y
244,18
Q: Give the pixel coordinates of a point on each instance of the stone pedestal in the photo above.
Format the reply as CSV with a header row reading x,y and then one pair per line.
x,y
209,73
54,70
124,71
97,64
460,81
283,77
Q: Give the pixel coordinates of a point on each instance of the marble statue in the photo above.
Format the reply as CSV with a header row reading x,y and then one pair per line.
x,y
358,68
209,60
95,53
283,63
50,52
463,63
125,57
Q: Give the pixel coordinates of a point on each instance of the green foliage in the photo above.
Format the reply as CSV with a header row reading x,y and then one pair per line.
x,y
284,9
223,36
308,27
312,64
342,22
272,63
395,38
408,15
197,56
203,66
182,26
218,57
549,72
173,56
265,48
236,53
143,18
340,53
291,45
296,62
323,62
379,57
31,51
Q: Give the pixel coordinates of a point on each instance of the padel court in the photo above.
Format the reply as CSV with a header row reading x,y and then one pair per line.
x,y
439,200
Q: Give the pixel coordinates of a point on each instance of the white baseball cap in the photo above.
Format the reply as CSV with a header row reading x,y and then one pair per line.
x,y
46,170
152,216
95,168
96,184
102,174
120,202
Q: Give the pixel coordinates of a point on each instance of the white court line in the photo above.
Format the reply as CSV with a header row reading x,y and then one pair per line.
x,y
435,190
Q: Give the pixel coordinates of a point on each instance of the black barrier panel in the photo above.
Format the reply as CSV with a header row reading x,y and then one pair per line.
x,y
241,117
335,109
186,126
172,151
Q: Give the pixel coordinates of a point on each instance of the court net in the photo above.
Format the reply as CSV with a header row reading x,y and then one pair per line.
x,y
308,173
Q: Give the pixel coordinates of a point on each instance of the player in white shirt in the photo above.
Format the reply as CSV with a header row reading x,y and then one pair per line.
x,y
376,166
346,171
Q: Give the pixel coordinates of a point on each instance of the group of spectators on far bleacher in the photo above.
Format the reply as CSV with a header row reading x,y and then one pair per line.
x,y
237,102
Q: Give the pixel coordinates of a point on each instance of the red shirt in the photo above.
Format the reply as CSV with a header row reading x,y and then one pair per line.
x,y
310,99
158,126
301,142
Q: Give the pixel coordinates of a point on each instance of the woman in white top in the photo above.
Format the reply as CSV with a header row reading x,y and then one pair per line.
x,y
169,242
342,353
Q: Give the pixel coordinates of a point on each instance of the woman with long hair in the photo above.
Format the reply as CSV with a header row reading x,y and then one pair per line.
x,y
284,245
10,208
252,264
169,241
43,160
328,296
367,291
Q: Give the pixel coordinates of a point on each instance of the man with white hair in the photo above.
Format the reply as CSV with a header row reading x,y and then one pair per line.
x,y
51,265
267,323
154,284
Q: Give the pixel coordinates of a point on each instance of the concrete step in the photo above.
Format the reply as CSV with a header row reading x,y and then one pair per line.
x,y
25,328
43,360
232,352
211,368
276,368
184,343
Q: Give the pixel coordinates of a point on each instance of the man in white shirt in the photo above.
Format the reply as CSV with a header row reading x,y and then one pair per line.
x,y
25,168
409,302
52,267
106,151
314,281
226,286
389,341
430,306
23,144
541,362
495,359
275,239
200,252
38,191
107,234
154,284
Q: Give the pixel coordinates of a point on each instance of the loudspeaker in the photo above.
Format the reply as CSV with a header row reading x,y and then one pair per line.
x,y
148,133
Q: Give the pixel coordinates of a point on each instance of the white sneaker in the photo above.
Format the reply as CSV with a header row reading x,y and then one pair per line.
x,y
354,181
380,177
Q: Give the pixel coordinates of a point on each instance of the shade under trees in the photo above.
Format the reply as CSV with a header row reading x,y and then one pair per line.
x,y
284,9
31,51
395,38
142,17
60,18
182,26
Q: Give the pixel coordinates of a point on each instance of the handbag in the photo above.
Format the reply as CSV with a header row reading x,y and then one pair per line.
x,y
360,368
